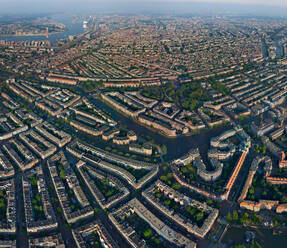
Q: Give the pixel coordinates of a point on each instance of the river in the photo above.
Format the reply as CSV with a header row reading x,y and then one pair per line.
x,y
73,29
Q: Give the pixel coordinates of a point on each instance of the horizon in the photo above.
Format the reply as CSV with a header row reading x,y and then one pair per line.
x,y
240,7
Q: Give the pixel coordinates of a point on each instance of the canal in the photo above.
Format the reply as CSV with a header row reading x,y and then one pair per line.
x,y
176,147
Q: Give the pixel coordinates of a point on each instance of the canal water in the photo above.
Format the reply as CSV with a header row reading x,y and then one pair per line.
x,y
264,237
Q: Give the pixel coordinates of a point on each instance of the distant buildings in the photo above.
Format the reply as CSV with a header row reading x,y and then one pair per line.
x,y
61,80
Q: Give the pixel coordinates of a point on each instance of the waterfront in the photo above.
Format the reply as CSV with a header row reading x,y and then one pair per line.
x,y
72,29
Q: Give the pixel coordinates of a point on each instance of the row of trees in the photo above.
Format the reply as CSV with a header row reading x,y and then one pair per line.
x,y
262,189
245,218
254,244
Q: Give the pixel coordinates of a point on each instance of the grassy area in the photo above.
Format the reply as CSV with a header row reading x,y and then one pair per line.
x,y
3,204
37,203
189,171
106,188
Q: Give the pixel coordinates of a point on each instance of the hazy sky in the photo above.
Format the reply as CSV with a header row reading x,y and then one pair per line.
x,y
49,2
242,6
253,2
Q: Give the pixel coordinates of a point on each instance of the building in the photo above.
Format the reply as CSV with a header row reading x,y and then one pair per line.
x,y
145,149
262,129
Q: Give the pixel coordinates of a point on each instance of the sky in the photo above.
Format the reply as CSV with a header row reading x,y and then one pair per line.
x,y
249,2
278,7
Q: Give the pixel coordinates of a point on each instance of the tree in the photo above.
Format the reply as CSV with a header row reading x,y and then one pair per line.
x,y
176,186
156,240
38,197
158,195
163,178
244,218
239,246
251,190
199,216
59,211
229,217
209,202
255,244
184,170
96,211
33,180
194,103
163,148
167,202
147,233
169,175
